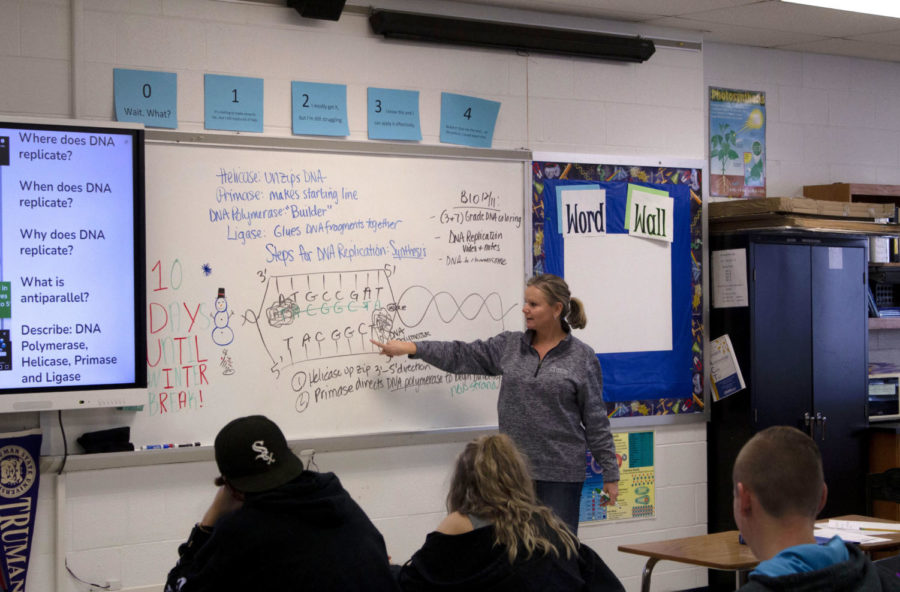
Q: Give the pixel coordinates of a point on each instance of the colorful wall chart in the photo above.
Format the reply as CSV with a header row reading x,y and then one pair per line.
x,y
637,481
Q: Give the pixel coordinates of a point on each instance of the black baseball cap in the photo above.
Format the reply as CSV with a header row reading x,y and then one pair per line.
x,y
253,455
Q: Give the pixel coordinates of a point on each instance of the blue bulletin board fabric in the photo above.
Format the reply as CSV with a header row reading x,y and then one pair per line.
x,y
637,375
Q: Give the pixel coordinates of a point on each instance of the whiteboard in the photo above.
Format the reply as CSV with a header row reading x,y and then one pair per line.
x,y
268,271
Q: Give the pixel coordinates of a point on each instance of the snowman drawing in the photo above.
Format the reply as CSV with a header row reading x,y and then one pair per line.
x,y
222,334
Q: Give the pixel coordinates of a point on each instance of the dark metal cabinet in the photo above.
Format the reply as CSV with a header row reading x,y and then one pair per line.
x,y
802,344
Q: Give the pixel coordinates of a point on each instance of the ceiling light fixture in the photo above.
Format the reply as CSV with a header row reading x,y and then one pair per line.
x,y
877,7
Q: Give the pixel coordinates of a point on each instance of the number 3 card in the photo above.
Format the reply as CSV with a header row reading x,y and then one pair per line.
x,y
394,114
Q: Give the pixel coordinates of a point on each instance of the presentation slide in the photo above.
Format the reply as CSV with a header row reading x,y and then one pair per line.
x,y
67,260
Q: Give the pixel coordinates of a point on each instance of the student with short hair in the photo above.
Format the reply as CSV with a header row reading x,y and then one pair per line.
x,y
497,537
275,526
779,489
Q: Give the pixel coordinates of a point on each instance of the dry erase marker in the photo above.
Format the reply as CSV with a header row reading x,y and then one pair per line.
x,y
189,444
157,446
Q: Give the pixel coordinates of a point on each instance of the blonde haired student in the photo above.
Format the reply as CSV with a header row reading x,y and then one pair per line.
x,y
497,537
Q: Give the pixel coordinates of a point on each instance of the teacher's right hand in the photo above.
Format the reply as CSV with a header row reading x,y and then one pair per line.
x,y
396,348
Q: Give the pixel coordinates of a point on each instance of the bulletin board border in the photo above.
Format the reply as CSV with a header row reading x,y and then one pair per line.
x,y
644,169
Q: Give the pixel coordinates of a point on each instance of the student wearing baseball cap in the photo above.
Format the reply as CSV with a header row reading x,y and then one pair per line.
x,y
275,526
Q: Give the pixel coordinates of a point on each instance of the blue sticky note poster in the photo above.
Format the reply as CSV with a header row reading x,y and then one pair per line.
x,y
233,103
319,109
394,114
468,120
146,97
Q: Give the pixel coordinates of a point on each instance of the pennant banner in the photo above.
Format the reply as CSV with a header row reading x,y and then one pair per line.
x,y
19,480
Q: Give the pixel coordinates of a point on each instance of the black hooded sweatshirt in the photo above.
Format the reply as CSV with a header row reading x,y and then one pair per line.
x,y
308,534
471,562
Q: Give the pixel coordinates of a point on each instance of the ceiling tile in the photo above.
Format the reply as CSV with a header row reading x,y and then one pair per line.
x,y
720,33
654,7
587,8
780,16
761,23
629,10
888,37
845,47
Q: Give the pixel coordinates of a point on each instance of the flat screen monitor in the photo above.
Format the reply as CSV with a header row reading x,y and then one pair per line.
x,y
72,282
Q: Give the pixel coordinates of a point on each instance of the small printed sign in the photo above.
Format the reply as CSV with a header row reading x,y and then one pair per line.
x,y
468,121
729,278
319,109
393,114
146,97
649,213
233,103
583,212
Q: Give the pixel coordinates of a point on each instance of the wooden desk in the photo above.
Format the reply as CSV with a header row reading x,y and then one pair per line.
x,y
721,550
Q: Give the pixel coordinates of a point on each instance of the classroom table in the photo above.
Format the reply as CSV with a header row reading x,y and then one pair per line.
x,y
721,550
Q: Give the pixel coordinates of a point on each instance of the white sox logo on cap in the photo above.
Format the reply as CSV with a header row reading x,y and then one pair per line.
x,y
264,454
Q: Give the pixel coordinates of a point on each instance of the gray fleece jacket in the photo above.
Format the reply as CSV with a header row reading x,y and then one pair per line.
x,y
552,408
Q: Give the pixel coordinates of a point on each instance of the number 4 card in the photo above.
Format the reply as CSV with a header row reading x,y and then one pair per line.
x,y
468,121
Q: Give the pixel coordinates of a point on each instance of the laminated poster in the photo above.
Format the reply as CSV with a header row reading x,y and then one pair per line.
x,y
637,478
737,143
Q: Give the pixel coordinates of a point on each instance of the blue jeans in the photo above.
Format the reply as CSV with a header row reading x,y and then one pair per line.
x,y
563,497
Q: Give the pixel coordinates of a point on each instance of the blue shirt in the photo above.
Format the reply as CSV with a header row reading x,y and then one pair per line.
x,y
804,558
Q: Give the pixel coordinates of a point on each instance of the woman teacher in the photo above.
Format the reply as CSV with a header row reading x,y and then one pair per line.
x,y
551,395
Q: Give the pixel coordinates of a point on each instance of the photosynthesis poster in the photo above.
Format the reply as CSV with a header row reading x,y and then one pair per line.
x,y
737,143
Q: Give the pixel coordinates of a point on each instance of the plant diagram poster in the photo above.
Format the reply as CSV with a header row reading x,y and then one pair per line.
x,y
737,143
637,478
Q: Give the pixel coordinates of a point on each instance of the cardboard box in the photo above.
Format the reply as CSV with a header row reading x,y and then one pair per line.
x,y
862,192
